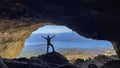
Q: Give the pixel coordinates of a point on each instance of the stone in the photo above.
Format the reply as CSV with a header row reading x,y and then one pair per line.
x,y
112,64
92,66
53,57
32,63
78,61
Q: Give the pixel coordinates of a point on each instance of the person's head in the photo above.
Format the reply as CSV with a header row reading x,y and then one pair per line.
x,y
48,36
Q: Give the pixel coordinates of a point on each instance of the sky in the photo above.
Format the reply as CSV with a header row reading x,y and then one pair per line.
x,y
64,34
53,29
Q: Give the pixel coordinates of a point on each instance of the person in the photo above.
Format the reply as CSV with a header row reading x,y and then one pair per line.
x,y
48,38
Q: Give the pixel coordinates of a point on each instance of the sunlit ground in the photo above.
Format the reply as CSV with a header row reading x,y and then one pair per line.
x,y
65,41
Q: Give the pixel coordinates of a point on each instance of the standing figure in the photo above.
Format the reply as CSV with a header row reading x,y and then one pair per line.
x,y
48,38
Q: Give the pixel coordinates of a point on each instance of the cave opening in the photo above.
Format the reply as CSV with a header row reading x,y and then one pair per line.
x,y
67,42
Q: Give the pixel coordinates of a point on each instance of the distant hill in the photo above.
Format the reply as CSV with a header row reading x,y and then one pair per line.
x,y
59,37
70,53
65,39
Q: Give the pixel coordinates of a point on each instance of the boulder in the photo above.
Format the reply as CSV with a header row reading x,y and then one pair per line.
x,y
78,61
53,57
112,64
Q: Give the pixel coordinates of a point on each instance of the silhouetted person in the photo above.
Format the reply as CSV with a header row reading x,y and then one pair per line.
x,y
48,38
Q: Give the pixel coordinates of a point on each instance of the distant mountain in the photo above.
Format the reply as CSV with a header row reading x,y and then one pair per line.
x,y
59,37
29,51
69,39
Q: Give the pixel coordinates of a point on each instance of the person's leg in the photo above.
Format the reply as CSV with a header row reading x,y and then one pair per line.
x,y
47,48
52,47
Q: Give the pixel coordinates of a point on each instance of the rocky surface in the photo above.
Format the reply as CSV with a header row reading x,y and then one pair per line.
x,y
38,62
54,57
96,62
98,19
12,36
56,60
112,64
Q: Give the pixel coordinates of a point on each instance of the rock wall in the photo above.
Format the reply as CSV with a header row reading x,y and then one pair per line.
x,y
13,35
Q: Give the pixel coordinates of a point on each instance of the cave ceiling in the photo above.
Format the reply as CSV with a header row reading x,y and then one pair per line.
x,y
98,19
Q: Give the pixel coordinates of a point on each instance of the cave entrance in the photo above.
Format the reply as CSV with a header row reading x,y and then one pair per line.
x,y
67,42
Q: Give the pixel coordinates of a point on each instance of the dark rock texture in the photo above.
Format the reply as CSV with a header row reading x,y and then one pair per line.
x,y
112,64
49,60
54,57
103,58
78,61
92,66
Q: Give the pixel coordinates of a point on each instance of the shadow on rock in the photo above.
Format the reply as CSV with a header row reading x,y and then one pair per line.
x,y
49,60
112,64
53,57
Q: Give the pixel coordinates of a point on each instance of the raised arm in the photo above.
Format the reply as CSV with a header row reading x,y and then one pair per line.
x,y
44,37
53,36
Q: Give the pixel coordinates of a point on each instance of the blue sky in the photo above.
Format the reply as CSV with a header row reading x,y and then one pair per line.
x,y
53,29
64,34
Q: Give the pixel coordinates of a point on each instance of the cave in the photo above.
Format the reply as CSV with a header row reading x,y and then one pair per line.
x,y
19,18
